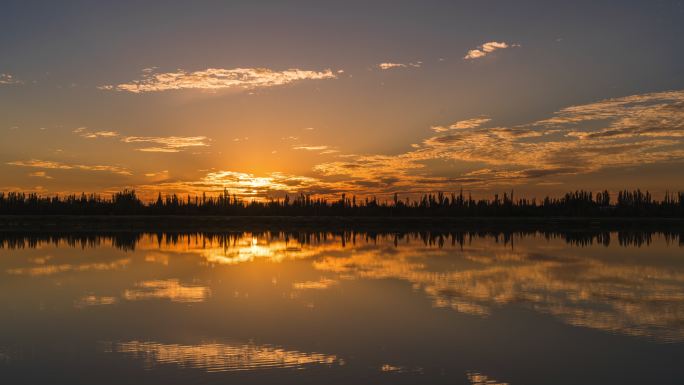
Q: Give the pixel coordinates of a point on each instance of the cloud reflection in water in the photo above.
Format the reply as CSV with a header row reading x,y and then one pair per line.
x,y
219,357
170,289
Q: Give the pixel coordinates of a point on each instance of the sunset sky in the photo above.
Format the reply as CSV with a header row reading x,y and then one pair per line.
x,y
365,97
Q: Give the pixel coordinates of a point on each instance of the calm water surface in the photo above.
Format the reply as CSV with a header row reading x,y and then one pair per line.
x,y
274,308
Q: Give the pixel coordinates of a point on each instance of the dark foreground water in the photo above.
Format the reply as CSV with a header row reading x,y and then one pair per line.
x,y
317,308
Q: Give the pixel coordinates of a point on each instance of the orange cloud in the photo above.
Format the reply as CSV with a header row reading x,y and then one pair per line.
x,y
487,48
168,143
620,132
218,78
388,65
40,174
47,164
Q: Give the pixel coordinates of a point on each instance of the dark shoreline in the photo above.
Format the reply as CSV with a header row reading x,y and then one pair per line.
x,y
95,223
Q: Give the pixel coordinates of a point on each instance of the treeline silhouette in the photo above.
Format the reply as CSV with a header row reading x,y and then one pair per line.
x,y
573,204
128,241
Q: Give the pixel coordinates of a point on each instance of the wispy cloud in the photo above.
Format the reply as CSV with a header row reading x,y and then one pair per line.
x,y
322,149
217,79
622,132
310,148
163,173
156,143
329,151
47,164
82,131
388,65
463,124
6,79
487,48
470,123
168,143
40,174
618,132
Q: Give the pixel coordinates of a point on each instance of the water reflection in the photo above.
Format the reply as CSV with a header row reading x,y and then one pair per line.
x,y
469,273
248,245
476,378
322,283
93,300
218,357
394,305
389,368
581,290
49,269
170,289
4,356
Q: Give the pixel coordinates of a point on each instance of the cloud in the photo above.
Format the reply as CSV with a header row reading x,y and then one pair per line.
x,y
376,174
39,174
217,79
621,132
101,134
47,164
616,133
163,173
326,152
310,148
387,65
487,48
82,131
322,149
463,124
470,123
244,185
7,79
168,143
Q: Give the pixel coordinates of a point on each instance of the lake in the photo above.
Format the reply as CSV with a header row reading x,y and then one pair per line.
x,y
342,308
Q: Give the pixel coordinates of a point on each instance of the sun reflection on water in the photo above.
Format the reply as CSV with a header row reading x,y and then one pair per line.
x,y
577,287
246,248
589,287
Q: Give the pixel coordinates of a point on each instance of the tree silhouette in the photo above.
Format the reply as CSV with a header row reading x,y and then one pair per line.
x,y
572,204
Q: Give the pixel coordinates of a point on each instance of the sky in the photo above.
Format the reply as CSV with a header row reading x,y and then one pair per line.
x,y
267,98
